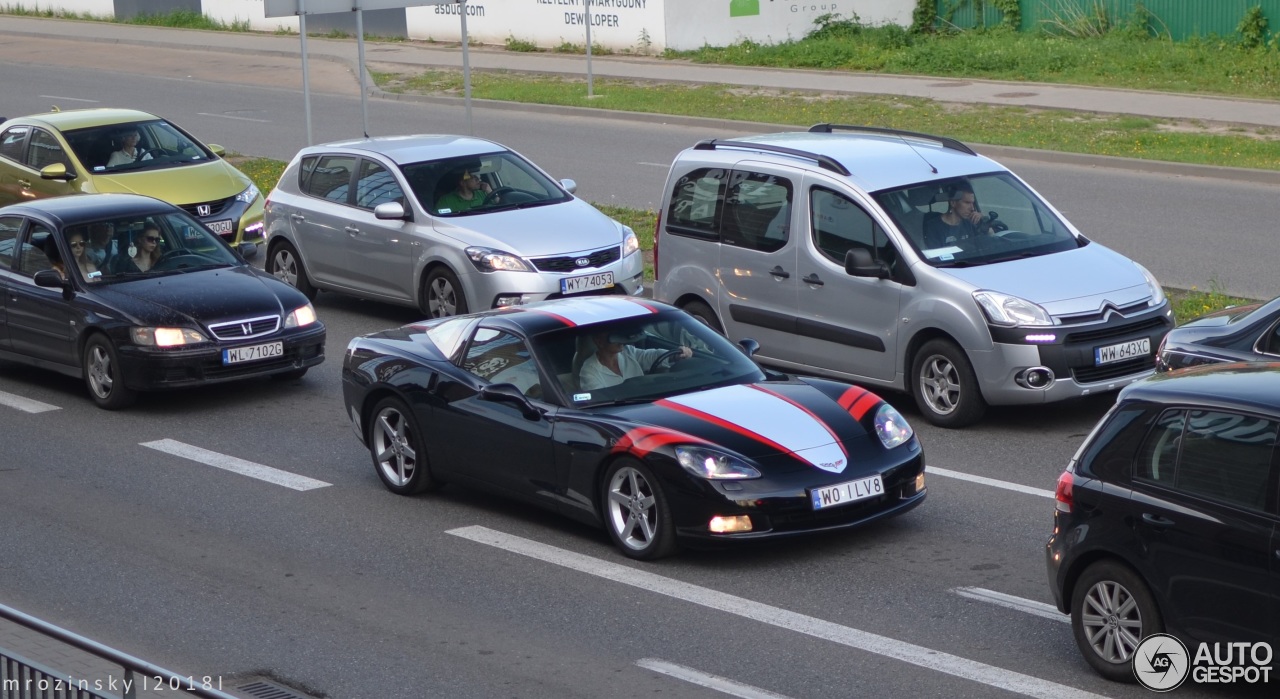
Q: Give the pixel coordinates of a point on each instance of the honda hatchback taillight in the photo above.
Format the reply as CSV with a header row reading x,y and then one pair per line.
x,y
1063,492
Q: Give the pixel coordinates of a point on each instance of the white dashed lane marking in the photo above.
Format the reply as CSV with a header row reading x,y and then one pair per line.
x,y
26,405
234,465
228,116
1016,487
67,99
920,656
702,679
661,165
1021,604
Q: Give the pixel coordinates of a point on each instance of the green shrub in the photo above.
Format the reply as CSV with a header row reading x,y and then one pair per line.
x,y
520,45
1253,28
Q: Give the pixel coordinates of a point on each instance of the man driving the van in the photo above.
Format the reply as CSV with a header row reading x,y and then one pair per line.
x,y
962,220
617,359
470,193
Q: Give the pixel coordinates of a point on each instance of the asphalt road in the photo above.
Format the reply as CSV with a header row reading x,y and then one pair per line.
x,y
349,591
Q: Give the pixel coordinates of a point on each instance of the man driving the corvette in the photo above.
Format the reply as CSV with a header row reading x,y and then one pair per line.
x,y
617,359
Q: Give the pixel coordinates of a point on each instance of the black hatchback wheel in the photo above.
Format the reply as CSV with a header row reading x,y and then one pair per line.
x,y
1111,612
103,376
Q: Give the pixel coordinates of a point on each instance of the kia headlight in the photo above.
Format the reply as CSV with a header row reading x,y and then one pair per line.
x,y
713,464
891,427
1157,291
630,243
248,195
166,337
301,317
1006,310
490,260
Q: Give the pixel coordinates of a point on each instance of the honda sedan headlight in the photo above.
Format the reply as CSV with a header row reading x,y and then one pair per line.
x,y
1003,309
630,243
891,427
490,260
1157,291
166,337
248,195
714,465
301,317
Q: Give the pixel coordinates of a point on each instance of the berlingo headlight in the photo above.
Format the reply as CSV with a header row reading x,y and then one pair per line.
x,y
1006,310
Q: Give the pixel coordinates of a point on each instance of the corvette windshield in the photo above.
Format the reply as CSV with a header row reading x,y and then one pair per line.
x,y
976,220
135,147
642,359
141,246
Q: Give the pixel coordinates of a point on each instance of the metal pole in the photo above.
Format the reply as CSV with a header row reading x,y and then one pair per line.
x,y
306,80
586,5
364,88
466,66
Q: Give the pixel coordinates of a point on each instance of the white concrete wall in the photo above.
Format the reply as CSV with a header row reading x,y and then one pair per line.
x,y
238,10
97,8
617,24
692,24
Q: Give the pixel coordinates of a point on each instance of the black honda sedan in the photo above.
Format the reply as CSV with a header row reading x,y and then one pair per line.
x,y
131,294
1242,334
630,414
1166,517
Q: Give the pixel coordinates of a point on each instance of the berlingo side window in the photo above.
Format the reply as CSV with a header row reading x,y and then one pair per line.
x,y
696,199
757,211
840,225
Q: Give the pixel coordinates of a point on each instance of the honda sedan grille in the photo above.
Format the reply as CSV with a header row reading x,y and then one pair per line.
x,y
245,329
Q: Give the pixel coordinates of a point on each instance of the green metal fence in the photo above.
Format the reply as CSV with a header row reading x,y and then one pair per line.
x,y
1179,19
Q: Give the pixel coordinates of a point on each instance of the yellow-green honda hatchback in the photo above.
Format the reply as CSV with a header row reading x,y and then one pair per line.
x,y
128,151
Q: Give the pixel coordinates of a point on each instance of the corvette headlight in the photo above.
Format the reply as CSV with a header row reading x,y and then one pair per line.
x,y
1003,309
630,243
301,316
248,195
166,337
891,427
714,465
489,260
1157,291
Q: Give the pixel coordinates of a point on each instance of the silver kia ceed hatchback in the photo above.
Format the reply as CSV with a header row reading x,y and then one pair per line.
x,y
449,224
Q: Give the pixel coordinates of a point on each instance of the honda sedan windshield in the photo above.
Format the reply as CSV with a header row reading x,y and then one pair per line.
x,y
143,246
976,220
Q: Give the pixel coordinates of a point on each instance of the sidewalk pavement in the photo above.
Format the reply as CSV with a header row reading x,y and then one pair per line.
x,y
100,675
425,56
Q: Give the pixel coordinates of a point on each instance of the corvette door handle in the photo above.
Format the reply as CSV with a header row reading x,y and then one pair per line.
x,y
812,279
1156,520
780,273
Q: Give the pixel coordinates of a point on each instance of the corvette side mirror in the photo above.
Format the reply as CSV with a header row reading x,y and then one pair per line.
x,y
508,393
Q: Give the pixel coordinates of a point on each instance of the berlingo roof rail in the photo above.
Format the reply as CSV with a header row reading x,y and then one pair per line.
x,y
826,162
951,143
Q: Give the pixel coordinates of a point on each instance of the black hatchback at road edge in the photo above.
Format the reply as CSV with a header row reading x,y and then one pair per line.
x,y
1167,517
131,293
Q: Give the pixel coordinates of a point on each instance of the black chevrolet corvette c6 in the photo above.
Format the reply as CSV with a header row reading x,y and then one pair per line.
x,y
131,293
630,414
1240,334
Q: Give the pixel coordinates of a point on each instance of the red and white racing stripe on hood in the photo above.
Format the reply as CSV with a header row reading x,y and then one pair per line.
x,y
596,309
769,418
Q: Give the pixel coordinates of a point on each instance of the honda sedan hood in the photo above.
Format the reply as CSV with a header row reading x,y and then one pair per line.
x,y
200,298
1074,281
553,229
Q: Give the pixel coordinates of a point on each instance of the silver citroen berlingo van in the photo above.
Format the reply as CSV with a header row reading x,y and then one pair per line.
x,y
905,261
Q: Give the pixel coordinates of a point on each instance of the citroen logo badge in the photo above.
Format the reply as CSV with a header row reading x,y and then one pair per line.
x,y
203,210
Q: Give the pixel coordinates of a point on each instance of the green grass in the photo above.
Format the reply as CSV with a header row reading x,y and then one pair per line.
x,y
1073,132
1210,65
181,19
1187,303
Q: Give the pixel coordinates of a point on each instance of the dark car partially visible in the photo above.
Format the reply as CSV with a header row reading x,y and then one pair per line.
x,y
1167,516
1240,334
198,315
